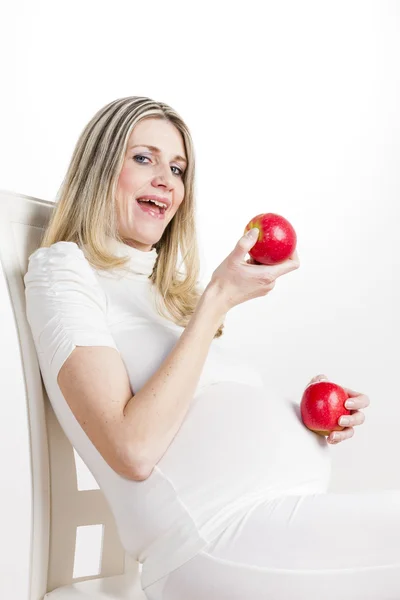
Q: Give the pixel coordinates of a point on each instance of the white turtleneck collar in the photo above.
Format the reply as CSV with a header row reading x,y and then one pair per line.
x,y
141,262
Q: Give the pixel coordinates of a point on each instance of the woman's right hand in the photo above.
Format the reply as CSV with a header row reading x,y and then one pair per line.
x,y
236,280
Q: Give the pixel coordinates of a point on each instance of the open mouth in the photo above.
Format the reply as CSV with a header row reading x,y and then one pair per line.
x,y
151,208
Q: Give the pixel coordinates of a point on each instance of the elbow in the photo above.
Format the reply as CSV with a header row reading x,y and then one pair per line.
x,y
135,467
141,474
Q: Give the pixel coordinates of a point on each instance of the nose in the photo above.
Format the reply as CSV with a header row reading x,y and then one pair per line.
x,y
164,176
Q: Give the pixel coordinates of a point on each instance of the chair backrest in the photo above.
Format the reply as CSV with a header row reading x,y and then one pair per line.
x,y
44,505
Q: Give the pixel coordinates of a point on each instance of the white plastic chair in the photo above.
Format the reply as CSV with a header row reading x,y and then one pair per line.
x,y
42,508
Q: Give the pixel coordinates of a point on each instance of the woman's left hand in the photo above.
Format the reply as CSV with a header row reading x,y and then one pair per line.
x,y
355,418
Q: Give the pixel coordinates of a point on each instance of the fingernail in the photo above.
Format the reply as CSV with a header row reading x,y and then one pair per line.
x,y
253,232
344,421
334,437
349,403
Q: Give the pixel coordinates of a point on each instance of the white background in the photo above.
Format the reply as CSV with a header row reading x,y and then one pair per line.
x,y
294,109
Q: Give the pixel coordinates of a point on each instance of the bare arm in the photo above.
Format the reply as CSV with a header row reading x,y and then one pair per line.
x,y
133,432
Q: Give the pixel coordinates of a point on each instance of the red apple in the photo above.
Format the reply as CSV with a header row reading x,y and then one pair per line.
x,y
322,405
276,241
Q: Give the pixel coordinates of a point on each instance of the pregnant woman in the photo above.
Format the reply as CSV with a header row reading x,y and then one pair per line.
x,y
216,486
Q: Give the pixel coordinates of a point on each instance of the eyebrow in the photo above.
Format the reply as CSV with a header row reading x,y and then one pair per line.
x,y
155,149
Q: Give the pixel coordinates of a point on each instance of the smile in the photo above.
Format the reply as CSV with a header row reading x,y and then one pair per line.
x,y
152,210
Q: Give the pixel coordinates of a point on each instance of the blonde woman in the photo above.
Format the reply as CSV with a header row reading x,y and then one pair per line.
x,y
216,486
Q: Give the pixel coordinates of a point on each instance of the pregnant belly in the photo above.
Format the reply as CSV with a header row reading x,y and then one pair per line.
x,y
240,443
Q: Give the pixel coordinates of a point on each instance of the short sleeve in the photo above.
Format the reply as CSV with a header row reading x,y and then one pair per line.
x,y
65,304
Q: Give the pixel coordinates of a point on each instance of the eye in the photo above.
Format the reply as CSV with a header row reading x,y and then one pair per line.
x,y
140,156
180,171
147,158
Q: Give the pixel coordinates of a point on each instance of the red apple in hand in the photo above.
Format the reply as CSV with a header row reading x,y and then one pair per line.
x,y
322,405
276,241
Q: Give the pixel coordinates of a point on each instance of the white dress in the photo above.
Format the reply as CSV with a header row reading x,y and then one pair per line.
x,y
240,444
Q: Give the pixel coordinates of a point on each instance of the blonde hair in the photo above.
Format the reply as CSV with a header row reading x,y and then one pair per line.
x,y
85,207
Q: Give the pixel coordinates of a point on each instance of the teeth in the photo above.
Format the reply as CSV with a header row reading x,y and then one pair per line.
x,y
162,204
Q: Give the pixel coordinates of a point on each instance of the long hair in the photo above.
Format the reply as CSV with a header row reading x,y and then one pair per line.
x,y
85,207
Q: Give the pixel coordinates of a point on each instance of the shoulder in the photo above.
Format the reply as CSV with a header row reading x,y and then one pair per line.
x,y
59,279
61,250
57,259
60,253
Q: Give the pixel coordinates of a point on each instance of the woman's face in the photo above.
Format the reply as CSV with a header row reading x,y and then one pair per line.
x,y
147,171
